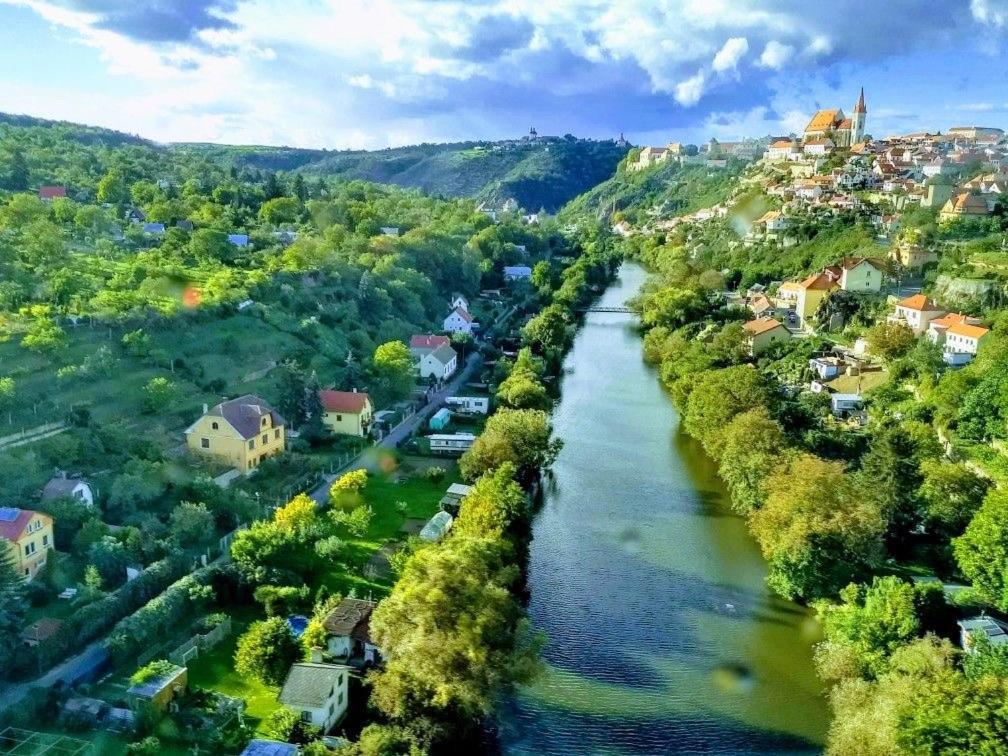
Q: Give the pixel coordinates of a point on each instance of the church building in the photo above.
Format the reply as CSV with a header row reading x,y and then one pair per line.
x,y
834,125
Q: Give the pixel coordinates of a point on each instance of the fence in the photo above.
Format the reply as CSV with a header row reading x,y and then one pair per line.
x,y
199,643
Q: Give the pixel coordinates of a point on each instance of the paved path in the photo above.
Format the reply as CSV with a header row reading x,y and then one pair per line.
x,y
402,431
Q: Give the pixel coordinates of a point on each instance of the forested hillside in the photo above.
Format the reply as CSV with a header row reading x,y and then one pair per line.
x,y
119,303
665,190
542,174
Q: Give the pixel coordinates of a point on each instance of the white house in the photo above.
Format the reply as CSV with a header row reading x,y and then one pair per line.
x,y
962,340
825,367
844,404
916,313
421,344
450,443
440,363
348,630
317,691
238,240
459,302
459,321
517,272
64,487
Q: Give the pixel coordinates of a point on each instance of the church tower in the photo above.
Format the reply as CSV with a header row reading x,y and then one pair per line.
x,y
858,120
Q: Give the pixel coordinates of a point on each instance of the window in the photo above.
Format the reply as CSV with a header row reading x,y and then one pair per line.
x,y
215,426
332,709
263,424
251,443
45,541
306,716
339,700
339,418
205,443
29,548
276,433
250,464
265,438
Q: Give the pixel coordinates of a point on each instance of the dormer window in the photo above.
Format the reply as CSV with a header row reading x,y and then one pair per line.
x,y
264,422
215,425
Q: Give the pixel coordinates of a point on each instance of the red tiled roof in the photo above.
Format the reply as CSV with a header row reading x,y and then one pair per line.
x,y
428,341
52,192
969,331
12,529
819,281
756,327
343,401
920,303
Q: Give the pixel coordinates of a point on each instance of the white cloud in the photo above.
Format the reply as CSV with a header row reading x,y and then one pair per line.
x,y
819,45
775,55
991,12
728,57
689,91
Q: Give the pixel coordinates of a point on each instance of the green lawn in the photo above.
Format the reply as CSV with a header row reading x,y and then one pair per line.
x,y
383,494
215,671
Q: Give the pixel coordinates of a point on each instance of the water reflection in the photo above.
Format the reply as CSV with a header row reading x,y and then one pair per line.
x,y
662,635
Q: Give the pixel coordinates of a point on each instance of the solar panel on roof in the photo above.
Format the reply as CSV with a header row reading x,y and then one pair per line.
x,y
9,514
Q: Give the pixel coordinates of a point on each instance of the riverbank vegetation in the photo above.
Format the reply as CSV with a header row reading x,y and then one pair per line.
x,y
865,522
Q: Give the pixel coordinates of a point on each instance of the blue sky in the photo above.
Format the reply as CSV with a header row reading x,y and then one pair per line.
x,y
376,73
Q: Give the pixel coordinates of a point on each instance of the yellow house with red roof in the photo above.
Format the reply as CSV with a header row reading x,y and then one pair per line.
x,y
764,332
28,536
811,292
347,412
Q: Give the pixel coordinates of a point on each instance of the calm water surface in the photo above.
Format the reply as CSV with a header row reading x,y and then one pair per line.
x,y
662,635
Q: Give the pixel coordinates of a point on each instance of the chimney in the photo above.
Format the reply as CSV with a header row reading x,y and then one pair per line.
x,y
355,389
316,655
205,408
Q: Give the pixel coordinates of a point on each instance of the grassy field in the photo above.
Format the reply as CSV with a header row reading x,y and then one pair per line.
x,y
395,497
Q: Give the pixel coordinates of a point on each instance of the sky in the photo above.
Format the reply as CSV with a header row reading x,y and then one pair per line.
x,y
377,73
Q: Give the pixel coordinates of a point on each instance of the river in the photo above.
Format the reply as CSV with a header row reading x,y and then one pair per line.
x,y
662,636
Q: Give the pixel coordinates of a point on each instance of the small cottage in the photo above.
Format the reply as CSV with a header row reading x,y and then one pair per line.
x,y
439,364
347,412
161,689
318,692
64,487
348,627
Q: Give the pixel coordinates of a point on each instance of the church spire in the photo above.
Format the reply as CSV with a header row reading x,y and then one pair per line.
x,y
860,107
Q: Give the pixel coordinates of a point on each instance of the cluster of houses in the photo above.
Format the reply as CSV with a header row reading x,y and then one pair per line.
x,y
959,335
897,172
713,154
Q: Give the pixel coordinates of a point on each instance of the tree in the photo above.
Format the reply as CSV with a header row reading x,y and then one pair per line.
x,y
523,390
493,506
286,726
12,610
17,174
890,340
818,529
6,393
717,397
392,364
521,437
158,393
44,335
192,525
870,622
752,446
982,550
454,635
266,650
951,494
279,210
112,188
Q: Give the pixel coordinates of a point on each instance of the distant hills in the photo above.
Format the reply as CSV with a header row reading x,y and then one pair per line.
x,y
542,173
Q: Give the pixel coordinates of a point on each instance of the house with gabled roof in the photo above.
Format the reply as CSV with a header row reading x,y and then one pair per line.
x,y
964,206
459,321
962,340
241,432
348,629
811,292
916,313
423,344
318,692
763,332
49,193
440,364
28,536
347,412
